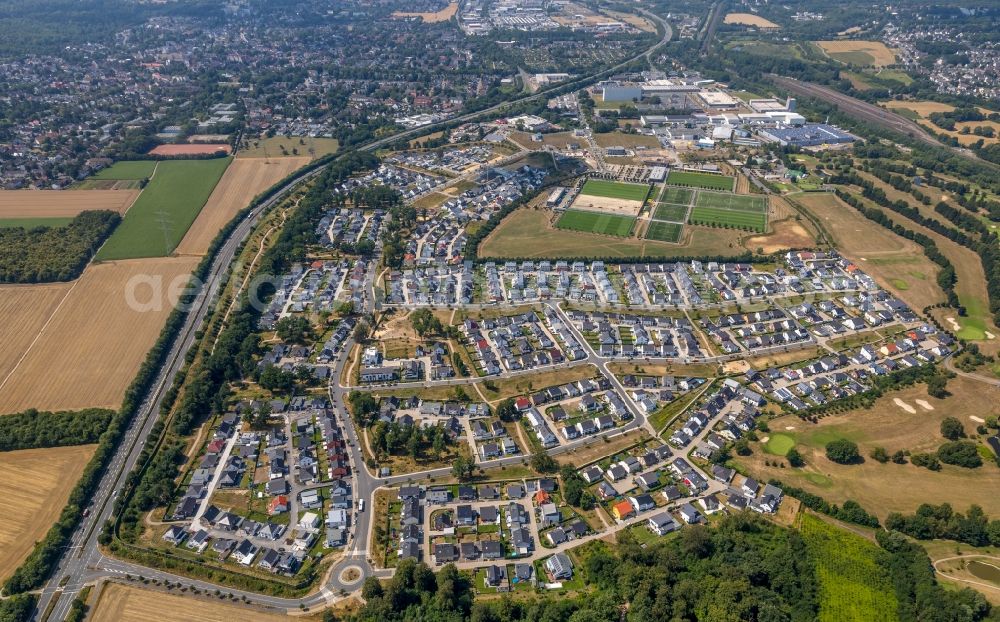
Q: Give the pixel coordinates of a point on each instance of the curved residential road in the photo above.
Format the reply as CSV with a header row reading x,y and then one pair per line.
x,y
82,562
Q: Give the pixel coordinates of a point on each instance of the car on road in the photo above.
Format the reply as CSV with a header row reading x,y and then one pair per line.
x,y
361,505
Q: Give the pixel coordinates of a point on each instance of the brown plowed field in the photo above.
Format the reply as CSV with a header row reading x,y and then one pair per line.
x,y
122,603
242,181
89,349
62,203
36,484
186,149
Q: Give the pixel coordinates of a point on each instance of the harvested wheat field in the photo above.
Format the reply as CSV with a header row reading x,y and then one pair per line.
x,y
749,19
89,350
242,181
119,603
25,309
431,18
853,52
62,203
49,475
191,149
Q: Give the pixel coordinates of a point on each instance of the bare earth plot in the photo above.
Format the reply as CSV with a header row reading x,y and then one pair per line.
x,y
90,349
243,180
62,203
36,484
131,604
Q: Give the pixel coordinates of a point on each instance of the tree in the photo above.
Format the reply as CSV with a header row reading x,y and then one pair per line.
x,y
462,468
937,386
294,329
843,451
960,453
879,454
506,410
899,456
928,461
795,458
276,380
952,429
372,588
543,462
425,323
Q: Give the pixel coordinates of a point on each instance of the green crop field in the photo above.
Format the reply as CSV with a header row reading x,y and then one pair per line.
x,y
615,190
753,221
853,585
680,196
740,202
32,223
130,169
669,211
162,214
664,231
595,222
701,180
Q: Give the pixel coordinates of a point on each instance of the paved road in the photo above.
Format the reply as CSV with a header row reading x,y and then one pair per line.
x,y
949,364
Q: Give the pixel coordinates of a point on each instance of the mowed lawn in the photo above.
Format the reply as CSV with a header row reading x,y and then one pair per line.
x,y
664,231
595,222
753,221
159,218
701,180
131,169
742,202
671,212
615,190
680,196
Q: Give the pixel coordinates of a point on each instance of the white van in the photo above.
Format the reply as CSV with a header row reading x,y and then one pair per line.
x,y
361,505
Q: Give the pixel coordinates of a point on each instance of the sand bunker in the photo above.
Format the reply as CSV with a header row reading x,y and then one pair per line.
x,y
924,404
765,439
977,419
789,427
990,335
954,324
904,405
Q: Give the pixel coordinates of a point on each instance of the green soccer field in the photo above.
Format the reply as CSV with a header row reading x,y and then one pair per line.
x,y
739,202
159,218
701,180
615,190
669,211
680,196
595,222
753,221
664,231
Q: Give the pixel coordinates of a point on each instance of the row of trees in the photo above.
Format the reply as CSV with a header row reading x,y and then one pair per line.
x,y
942,522
45,254
32,428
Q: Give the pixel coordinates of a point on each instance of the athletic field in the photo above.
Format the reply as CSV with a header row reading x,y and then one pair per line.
x,y
671,212
738,219
680,196
740,202
615,190
701,180
596,222
664,231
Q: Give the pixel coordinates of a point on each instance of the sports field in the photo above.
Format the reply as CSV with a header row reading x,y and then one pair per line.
x,y
164,211
615,190
671,212
664,231
680,196
701,180
740,202
131,169
593,222
754,221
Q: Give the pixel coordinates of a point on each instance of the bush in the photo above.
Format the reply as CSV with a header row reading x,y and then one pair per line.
x,y
843,451
952,429
960,453
795,458
928,461
879,454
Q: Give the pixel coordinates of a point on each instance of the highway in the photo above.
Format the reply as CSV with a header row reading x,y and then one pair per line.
x,y
82,562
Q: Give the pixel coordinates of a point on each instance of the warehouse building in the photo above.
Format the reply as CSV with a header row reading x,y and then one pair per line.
x,y
809,135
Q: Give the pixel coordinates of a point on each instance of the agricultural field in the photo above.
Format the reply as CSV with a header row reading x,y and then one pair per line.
x,y
920,111
31,204
908,419
121,603
162,214
32,223
243,180
753,221
852,583
186,149
678,196
749,19
25,310
86,351
865,53
284,146
671,212
695,179
431,18
36,485
629,141
131,169
615,190
593,222
664,231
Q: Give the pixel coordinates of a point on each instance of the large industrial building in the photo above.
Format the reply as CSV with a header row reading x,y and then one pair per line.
x,y
809,135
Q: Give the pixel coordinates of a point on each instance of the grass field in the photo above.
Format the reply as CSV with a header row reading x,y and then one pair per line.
x,y
130,169
121,603
31,223
852,52
282,146
243,180
701,180
890,487
36,484
852,583
671,212
162,214
595,222
680,196
741,202
91,337
749,19
664,231
615,190
752,221
62,203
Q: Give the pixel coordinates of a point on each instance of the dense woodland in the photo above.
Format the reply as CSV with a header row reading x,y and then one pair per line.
x,y
32,429
46,254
